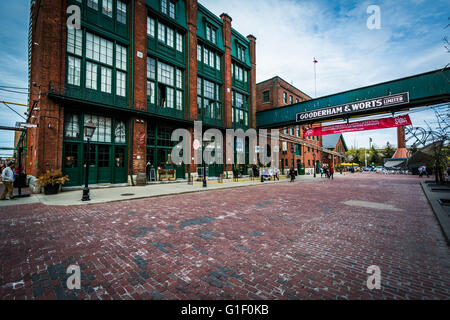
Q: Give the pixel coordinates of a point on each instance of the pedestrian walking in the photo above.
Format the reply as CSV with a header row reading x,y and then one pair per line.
x,y
275,174
420,169
325,171
321,171
292,174
425,171
331,172
8,178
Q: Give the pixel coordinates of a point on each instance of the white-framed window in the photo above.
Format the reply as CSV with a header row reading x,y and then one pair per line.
x,y
120,132
93,4
104,128
106,75
170,98
99,49
121,84
171,9
161,32
210,33
205,56
151,27
151,91
165,73
199,86
179,42
121,57
199,53
107,8
179,105
72,126
218,62
164,6
211,59
75,41
91,75
151,68
169,37
121,12
74,71
179,83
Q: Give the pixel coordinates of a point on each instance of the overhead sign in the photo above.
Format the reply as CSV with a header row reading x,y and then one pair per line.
x,y
360,126
354,107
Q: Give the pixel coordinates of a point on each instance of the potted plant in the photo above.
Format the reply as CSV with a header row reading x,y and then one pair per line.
x,y
51,181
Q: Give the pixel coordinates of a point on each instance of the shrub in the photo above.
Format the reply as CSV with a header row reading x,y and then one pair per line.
x,y
52,178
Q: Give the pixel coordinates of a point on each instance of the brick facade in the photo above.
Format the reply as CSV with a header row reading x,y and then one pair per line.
x,y
276,89
46,144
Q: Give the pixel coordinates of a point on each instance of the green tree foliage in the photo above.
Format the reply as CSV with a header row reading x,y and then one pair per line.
x,y
375,157
388,151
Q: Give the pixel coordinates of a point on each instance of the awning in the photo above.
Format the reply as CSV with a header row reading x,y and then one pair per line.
x,y
393,163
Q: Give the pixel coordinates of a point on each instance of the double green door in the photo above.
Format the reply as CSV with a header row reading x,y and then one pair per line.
x,y
107,163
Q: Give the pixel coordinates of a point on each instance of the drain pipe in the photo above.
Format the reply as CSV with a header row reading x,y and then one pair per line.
x,y
130,161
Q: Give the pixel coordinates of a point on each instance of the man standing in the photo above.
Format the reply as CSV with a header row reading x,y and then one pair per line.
x,y
8,179
331,172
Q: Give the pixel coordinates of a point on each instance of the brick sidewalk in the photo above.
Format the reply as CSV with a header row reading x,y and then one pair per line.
x,y
310,240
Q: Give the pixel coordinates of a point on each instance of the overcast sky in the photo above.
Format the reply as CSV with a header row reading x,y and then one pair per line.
x,y
289,34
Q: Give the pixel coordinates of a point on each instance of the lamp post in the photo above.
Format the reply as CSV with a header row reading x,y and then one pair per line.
x,y
204,168
89,129
314,159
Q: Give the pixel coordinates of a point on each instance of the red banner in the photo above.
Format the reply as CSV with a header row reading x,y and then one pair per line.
x,y
360,126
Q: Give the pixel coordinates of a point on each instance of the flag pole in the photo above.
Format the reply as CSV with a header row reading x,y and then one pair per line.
x,y
315,78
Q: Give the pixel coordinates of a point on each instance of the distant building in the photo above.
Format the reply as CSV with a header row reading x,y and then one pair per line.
x,y
334,142
295,150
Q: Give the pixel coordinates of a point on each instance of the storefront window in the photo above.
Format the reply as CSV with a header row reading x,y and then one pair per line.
x,y
103,131
72,129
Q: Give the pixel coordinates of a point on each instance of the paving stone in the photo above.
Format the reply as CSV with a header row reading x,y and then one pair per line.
x,y
295,241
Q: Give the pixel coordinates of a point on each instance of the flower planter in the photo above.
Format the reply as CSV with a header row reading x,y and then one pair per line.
x,y
51,189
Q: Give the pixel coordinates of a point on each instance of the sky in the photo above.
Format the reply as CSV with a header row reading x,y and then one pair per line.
x,y
290,33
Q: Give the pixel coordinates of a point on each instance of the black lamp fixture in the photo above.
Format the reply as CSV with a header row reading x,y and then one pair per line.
x,y
89,129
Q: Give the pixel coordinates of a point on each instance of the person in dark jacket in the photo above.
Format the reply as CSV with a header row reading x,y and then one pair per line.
x,y
292,174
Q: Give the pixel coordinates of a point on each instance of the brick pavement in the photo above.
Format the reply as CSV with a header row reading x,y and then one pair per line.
x,y
280,241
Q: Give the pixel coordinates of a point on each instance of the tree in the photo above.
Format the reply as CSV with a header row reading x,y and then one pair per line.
x,y
439,137
388,151
374,156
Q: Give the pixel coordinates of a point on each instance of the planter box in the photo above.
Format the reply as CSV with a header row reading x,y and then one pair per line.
x,y
51,189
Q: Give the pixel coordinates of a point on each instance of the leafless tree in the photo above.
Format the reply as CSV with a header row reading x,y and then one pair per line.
x,y
438,138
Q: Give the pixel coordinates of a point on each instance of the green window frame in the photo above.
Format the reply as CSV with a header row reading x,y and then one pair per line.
x,y
209,98
266,96
165,84
240,108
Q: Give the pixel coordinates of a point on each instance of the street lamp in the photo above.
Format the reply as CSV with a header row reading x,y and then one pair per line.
x,y
89,129
314,160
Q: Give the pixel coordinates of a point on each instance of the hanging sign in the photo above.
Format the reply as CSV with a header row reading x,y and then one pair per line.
x,y
360,126
354,107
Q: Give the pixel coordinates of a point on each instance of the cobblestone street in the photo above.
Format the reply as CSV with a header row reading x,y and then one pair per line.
x,y
309,240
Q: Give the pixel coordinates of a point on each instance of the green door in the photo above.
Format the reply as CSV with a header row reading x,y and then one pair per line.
x,y
104,173
120,165
93,172
73,164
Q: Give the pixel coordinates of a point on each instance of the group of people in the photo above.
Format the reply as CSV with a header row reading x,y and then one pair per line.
x,y
8,176
423,170
328,172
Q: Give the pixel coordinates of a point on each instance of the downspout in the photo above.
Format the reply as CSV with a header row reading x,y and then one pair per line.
x,y
188,109
130,161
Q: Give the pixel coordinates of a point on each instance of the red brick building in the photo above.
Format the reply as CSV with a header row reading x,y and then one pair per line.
x,y
295,150
334,142
137,69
